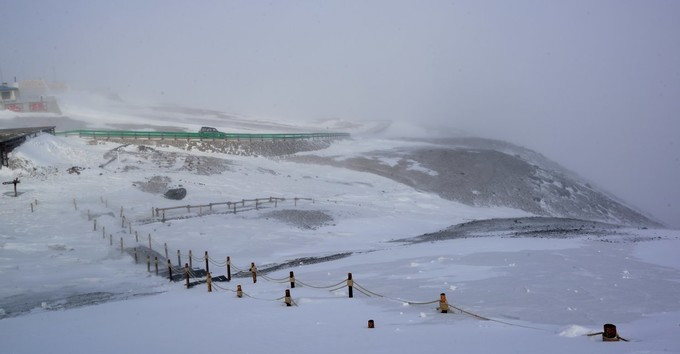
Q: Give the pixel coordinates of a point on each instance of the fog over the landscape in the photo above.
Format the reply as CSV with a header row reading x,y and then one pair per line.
x,y
593,85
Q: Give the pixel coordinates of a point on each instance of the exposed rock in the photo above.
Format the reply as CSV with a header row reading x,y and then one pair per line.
x,y
129,157
205,165
488,173
75,169
176,193
244,147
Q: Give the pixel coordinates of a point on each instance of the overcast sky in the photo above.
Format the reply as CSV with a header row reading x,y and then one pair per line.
x,y
593,85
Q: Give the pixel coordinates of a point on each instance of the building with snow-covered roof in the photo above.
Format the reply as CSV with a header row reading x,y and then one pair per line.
x,y
8,93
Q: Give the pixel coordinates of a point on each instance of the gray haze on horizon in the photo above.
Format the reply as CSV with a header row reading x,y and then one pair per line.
x,y
593,85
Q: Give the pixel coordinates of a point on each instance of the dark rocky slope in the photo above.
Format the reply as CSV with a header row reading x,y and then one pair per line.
x,y
484,172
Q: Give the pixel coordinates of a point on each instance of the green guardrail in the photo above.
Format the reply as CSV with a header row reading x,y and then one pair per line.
x,y
130,134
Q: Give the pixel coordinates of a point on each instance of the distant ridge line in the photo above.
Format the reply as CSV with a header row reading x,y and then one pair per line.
x,y
162,135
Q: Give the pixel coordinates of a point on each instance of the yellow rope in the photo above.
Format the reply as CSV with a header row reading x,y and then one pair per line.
x,y
298,281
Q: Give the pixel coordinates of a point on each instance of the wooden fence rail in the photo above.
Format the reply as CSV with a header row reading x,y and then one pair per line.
x,y
232,206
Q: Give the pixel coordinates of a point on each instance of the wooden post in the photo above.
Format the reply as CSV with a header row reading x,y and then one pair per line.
x,y
163,219
371,324
122,222
256,204
121,211
609,334
121,245
234,208
443,304
148,263
36,202
95,220
130,227
101,198
207,266
103,231
169,270
32,211
165,244
295,200
228,268
152,212
190,257
75,205
239,291
16,180
276,201
179,260
88,214
151,248
186,273
292,280
110,240
209,282
155,261
253,271
136,259
287,299
350,285
136,236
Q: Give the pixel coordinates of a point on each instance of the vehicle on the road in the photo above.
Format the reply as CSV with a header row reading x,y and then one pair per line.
x,y
208,130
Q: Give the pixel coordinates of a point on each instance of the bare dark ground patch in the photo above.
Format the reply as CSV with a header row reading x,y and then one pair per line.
x,y
303,219
539,227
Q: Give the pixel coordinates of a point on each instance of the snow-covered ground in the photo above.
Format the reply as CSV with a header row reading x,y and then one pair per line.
x,y
65,289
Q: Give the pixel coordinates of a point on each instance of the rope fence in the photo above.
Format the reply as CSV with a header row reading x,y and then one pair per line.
x,y
156,261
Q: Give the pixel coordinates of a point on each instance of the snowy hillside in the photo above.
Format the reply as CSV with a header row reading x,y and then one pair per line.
x,y
409,219
468,170
484,172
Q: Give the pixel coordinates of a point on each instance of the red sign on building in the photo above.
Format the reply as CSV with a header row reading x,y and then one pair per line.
x,y
16,107
37,107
